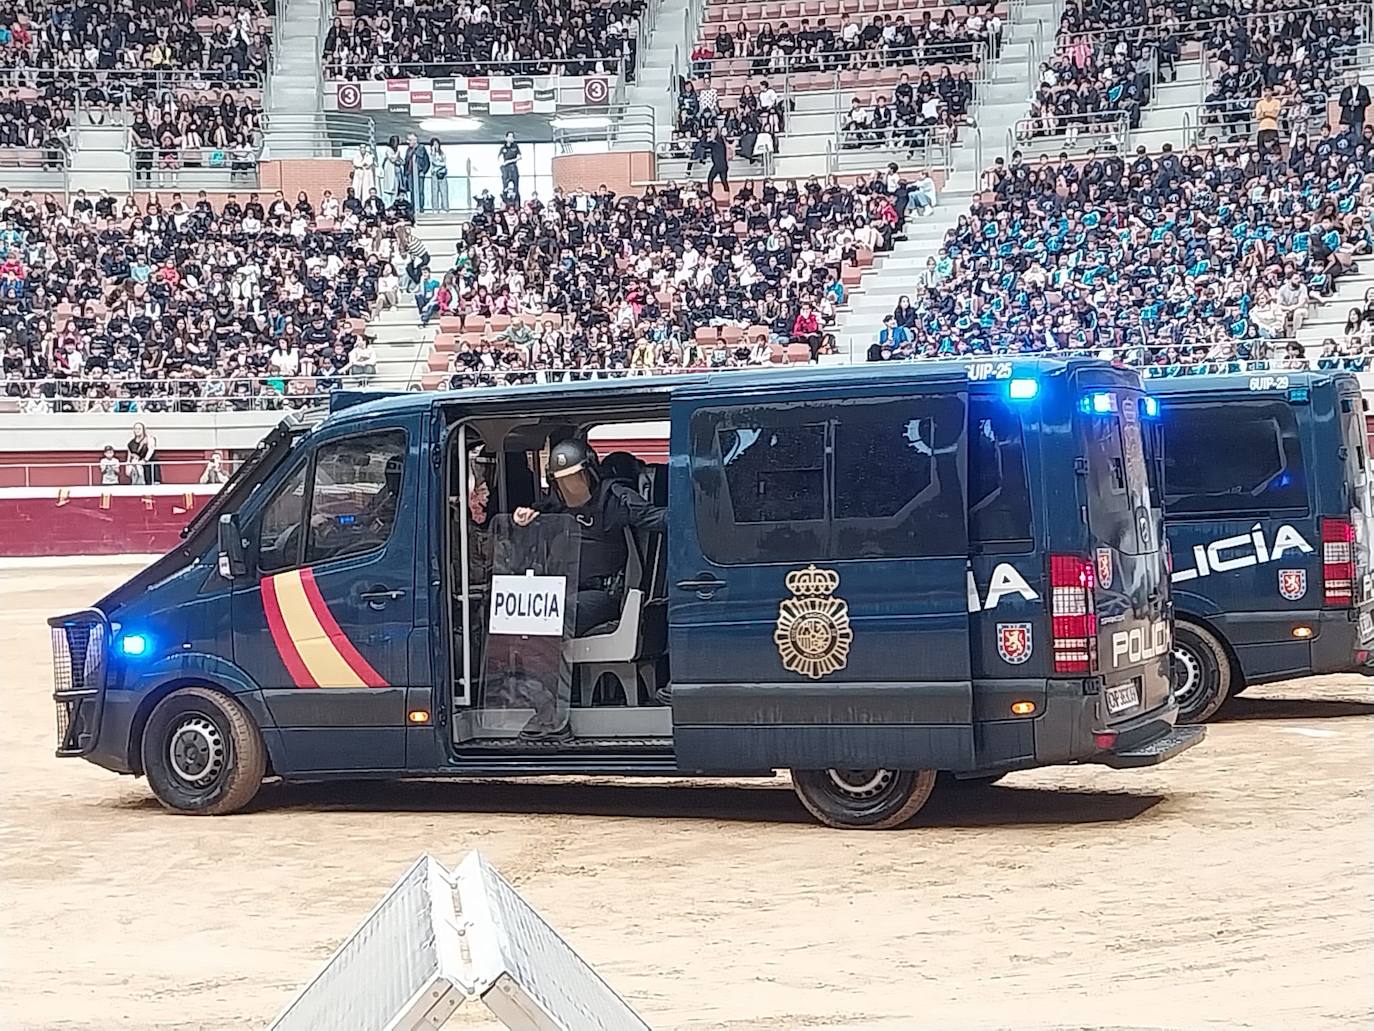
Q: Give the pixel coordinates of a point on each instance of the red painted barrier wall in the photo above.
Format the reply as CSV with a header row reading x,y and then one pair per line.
x,y
87,521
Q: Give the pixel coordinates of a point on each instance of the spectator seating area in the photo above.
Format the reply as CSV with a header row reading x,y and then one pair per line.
x,y
598,284
189,75
906,68
257,302
383,39
1112,53
1175,260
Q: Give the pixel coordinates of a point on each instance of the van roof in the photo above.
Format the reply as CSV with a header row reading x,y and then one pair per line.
x,y
1245,382
737,381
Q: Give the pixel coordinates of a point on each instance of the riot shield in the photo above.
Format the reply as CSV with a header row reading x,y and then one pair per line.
x,y
528,616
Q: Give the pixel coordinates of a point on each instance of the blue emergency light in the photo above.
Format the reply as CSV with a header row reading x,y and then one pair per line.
x,y
1102,403
1023,389
134,645
1150,406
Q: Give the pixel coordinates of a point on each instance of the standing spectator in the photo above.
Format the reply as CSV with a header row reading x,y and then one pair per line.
x,y
438,173
510,170
389,170
720,163
109,467
139,456
214,471
364,173
416,164
1354,102
1268,111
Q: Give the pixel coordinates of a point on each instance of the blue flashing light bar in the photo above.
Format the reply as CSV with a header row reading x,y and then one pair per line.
x,y
1023,389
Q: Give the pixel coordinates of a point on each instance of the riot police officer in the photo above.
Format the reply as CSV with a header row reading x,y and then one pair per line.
x,y
603,511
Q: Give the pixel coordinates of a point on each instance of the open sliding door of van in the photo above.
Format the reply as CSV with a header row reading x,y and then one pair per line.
x,y
818,579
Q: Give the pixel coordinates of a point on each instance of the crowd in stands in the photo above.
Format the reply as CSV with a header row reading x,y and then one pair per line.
x,y
858,41
383,39
590,283
1111,54
1211,256
895,115
107,305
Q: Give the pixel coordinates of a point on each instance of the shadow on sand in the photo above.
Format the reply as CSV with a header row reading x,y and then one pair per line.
x,y
1247,708
949,807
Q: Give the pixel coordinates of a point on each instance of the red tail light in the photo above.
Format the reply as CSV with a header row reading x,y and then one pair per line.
x,y
1073,614
1338,562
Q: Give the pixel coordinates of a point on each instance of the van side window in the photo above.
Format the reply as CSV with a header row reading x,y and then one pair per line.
x,y
783,483
775,475
999,508
354,496
279,534
1244,457
898,479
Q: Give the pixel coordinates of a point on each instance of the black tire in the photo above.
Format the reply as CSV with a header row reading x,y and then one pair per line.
x,y
876,800
982,780
202,753
1202,673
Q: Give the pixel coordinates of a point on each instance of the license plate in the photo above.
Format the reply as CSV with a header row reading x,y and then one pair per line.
x,y
1366,626
1123,697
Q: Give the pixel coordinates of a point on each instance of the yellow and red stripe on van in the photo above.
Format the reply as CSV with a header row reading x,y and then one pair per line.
x,y
314,650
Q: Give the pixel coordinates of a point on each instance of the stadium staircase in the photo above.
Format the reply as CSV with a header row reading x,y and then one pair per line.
x,y
295,124
654,87
1002,104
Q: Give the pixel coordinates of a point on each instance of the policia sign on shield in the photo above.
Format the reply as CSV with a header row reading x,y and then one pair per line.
x,y
526,685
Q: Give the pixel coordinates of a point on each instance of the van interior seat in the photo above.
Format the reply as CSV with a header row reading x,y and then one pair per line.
x,y
629,649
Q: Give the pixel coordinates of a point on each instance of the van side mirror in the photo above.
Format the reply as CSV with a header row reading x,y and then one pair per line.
x,y
231,561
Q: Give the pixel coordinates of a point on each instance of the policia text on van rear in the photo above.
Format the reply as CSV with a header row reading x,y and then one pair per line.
x,y
1267,511
867,578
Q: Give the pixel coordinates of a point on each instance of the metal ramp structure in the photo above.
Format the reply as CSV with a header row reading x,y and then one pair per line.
x,y
439,939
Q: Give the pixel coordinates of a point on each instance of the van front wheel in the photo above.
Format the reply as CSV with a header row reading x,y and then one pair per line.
x,y
1202,673
863,799
202,753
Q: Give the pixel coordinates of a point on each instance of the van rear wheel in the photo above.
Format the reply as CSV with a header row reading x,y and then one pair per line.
x,y
1202,673
863,799
202,753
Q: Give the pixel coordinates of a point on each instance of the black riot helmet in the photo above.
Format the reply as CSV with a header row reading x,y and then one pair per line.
x,y
394,466
571,456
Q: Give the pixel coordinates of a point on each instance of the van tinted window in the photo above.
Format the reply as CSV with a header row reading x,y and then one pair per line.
x,y
999,508
1243,457
898,479
783,483
354,495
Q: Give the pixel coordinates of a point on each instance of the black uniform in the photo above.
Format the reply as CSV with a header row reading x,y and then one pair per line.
x,y
602,548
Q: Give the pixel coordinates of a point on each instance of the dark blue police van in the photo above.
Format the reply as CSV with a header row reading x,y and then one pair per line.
x,y
869,578
1267,507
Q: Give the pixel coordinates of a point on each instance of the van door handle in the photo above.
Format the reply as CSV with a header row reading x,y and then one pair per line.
x,y
705,585
377,597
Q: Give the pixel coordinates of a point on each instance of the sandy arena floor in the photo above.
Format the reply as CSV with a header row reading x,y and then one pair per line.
x,y
1231,888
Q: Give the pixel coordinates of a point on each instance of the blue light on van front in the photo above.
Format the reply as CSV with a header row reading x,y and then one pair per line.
x,y
1023,389
1298,395
134,645
1102,403
1150,406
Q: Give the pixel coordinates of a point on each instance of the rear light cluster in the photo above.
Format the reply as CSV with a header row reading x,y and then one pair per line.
x,y
1073,614
1338,562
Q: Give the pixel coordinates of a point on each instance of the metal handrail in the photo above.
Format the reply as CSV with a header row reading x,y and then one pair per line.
x,y
40,166
159,80
484,69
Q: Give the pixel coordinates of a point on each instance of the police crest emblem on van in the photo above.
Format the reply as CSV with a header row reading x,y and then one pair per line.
x,y
1292,583
813,634
1104,567
1014,642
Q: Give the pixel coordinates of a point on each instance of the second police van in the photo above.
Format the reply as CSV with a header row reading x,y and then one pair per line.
x,y
869,579
1267,505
